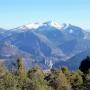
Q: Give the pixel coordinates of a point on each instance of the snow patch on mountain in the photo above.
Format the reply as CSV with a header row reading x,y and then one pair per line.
x,y
54,24
33,25
36,25
71,31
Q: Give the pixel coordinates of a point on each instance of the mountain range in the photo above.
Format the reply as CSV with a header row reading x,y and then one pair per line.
x,y
49,45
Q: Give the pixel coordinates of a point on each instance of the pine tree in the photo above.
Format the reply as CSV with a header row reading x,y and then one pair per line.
x,y
86,85
21,74
7,80
58,81
21,68
76,80
37,76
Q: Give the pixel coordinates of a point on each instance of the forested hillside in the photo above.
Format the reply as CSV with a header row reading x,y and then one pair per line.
x,y
18,78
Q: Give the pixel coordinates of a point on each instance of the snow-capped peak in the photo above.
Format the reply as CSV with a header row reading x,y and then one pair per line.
x,y
54,24
30,26
33,25
37,25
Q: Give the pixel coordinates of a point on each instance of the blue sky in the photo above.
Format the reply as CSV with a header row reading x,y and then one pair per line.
x,y
15,13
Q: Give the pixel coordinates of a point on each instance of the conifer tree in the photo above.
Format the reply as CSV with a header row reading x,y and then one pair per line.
x,y
77,80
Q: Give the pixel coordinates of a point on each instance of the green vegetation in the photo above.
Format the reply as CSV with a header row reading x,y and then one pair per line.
x,y
37,79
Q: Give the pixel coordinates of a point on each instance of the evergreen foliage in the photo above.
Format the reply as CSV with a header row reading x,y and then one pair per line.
x,y
37,79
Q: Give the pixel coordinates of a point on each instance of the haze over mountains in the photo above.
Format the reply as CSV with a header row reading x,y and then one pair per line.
x,y
48,44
